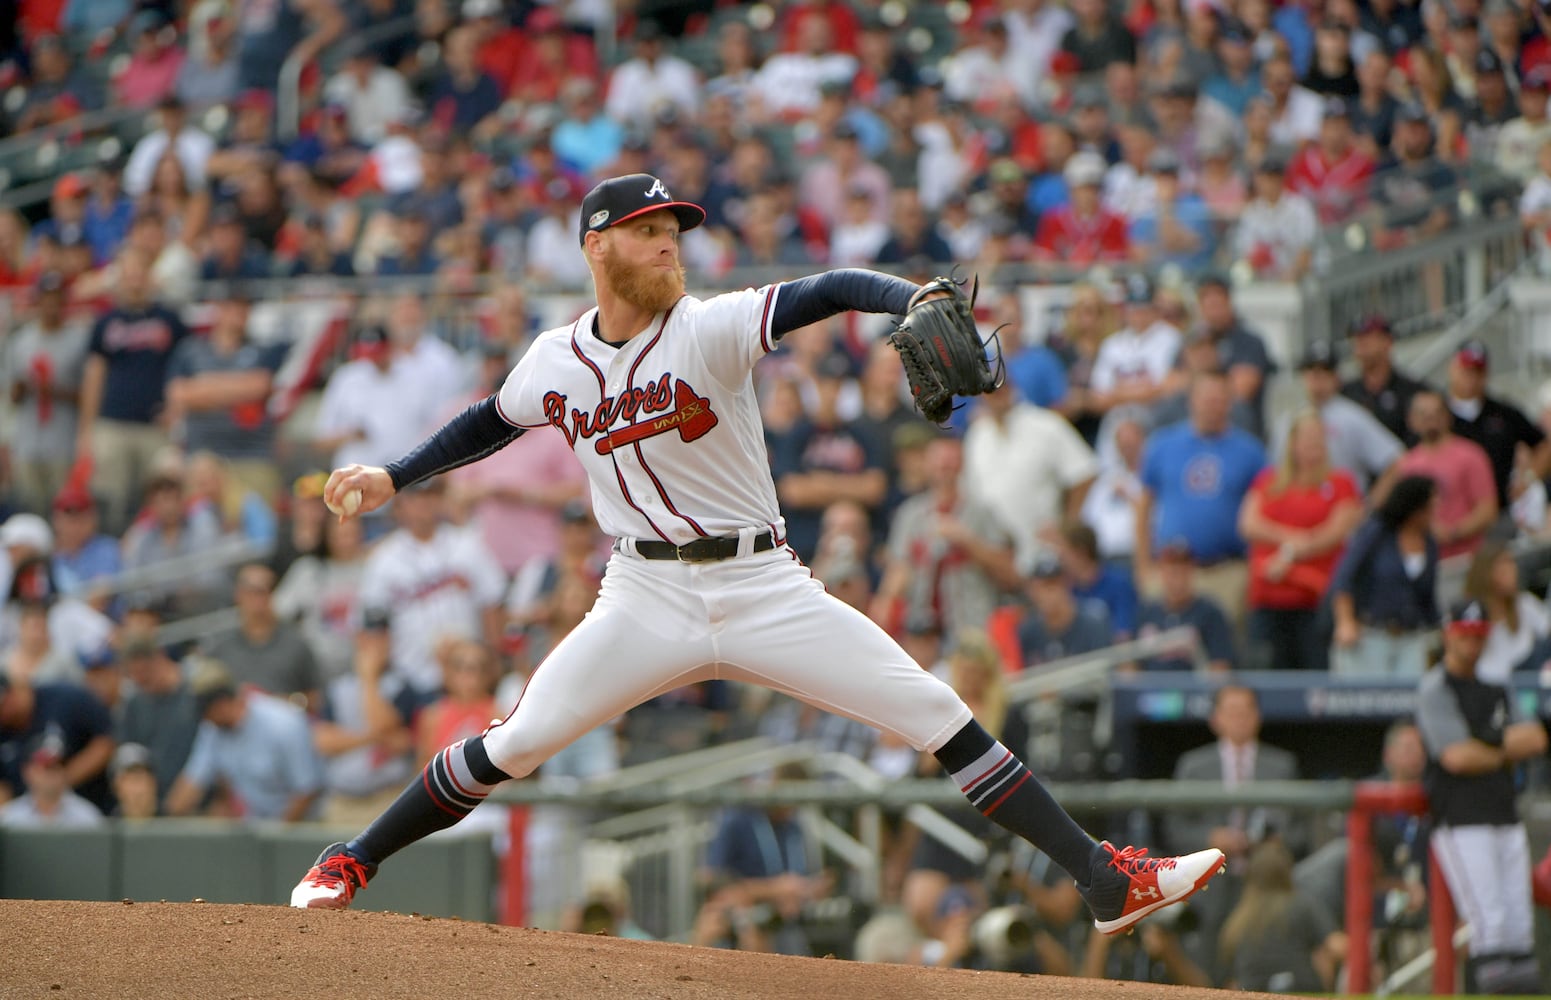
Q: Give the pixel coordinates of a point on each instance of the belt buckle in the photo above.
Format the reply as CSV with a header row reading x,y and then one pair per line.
x,y
679,553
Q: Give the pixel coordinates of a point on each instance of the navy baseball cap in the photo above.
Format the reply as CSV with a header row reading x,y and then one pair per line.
x,y
1319,354
1469,617
620,198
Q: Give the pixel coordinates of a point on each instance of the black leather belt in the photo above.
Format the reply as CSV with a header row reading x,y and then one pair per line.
x,y
701,549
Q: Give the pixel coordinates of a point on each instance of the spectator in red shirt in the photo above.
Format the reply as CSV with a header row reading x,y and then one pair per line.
x,y
554,58
844,26
502,48
1296,517
153,68
1083,232
1467,493
1332,172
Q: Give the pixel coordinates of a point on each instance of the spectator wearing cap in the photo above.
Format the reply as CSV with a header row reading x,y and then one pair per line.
x,y
1296,111
948,557
160,713
155,60
170,530
84,558
912,234
586,139
1297,518
1380,387
249,146
1412,188
651,80
192,146
1058,623
1235,81
271,34
1179,603
1466,492
23,538
1494,106
1176,229
134,783
1520,139
1277,231
218,390
44,361
121,425
1501,429
67,211
1028,466
1133,362
77,722
231,256
1194,476
789,82
1333,172
464,99
823,459
258,747
372,94
209,75
48,803
414,255
1091,578
1083,231
516,496
1356,442
843,169
1097,38
1476,737
31,654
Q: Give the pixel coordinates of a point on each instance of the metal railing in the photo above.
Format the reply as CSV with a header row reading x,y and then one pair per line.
x,y
288,88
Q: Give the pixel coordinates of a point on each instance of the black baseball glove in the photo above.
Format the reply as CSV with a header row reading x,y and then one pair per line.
x,y
942,351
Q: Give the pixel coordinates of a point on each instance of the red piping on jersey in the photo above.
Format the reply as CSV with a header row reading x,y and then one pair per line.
x,y
502,413
641,456
620,476
764,321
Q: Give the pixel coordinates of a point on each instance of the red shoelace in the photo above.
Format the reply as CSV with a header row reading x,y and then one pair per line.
x,y
340,869
1134,860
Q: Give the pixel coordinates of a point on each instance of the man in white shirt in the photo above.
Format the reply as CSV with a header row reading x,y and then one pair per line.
x,y
1034,32
790,82
373,95
643,86
1354,439
1296,112
362,417
433,581
1028,467
49,804
1277,229
191,145
1134,361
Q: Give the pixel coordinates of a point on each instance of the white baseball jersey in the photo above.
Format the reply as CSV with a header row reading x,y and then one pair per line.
x,y
431,589
666,425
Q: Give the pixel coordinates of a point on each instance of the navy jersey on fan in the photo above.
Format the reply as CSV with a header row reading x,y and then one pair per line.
x,y
69,714
136,344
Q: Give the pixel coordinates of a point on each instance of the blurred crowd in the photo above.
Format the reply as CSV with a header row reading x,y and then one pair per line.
x,y
186,630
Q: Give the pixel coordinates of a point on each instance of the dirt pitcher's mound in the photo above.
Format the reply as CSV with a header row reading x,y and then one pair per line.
x,y
184,951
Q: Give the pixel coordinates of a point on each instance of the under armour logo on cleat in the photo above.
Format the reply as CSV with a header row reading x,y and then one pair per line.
x,y
1151,892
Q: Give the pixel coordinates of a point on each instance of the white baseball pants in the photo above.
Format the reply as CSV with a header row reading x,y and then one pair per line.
x,y
1488,871
761,619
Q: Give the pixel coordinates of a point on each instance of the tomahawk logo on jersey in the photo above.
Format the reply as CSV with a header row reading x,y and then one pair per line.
x,y
667,424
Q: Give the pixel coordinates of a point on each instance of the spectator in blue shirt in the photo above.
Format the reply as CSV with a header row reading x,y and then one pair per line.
x,y
1236,81
1059,624
1194,477
412,229
586,140
465,99
83,557
1034,369
108,215
1092,579
1179,605
258,746
1177,229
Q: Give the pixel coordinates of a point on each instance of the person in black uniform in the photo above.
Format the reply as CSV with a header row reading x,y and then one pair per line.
x,y
1381,388
1494,425
1474,743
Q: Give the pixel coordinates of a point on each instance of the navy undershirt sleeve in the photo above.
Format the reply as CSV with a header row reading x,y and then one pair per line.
x,y
478,432
820,296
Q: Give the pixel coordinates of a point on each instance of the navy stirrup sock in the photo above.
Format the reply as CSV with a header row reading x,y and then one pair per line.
x,y
455,781
1004,790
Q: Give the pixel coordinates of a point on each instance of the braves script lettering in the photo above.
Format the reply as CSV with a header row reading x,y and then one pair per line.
x,y
691,416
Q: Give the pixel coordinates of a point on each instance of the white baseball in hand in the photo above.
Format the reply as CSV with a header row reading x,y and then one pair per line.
x,y
348,504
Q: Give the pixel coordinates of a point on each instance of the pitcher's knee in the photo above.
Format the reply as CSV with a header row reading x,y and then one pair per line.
x,y
517,752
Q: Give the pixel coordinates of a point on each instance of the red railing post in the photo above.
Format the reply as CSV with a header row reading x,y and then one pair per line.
x,y
514,869
1359,900
1443,918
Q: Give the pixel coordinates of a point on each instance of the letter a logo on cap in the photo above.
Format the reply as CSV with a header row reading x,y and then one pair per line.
x,y
658,191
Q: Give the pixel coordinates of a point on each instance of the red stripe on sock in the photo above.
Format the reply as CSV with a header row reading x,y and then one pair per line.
x,y
425,779
977,779
993,807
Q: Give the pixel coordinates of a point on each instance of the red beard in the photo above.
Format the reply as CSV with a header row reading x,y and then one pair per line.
x,y
651,289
